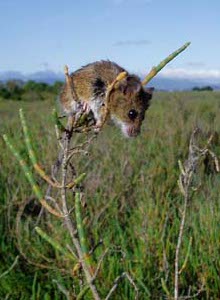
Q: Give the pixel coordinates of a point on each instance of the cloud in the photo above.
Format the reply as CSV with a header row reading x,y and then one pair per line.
x,y
131,43
182,73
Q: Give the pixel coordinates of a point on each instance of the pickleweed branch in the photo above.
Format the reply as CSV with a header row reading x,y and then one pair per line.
x,y
81,231
77,242
27,171
54,244
32,154
163,63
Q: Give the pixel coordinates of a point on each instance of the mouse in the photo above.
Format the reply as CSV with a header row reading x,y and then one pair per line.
x,y
109,92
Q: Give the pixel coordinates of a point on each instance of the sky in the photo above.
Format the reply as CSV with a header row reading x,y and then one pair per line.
x,y
136,34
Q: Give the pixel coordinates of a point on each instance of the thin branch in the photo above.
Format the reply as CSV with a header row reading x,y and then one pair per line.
x,y
62,289
54,243
187,172
20,241
100,263
68,221
54,202
194,295
30,178
11,267
118,280
81,232
165,261
187,256
179,242
95,247
31,152
163,63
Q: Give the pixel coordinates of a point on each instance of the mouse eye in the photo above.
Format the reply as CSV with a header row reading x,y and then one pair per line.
x,y
132,114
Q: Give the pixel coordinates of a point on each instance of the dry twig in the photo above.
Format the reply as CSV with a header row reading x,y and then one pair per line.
x,y
116,283
185,182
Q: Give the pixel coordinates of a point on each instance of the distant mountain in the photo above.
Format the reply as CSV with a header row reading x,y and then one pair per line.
x,y
171,84
10,75
160,82
46,76
42,76
216,87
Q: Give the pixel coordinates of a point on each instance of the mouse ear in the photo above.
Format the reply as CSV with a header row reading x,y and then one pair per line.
x,y
149,91
129,85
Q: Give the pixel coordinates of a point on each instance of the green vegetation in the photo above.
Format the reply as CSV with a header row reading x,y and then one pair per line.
x,y
133,204
202,89
28,91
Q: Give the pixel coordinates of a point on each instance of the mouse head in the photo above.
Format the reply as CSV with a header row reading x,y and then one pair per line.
x,y
128,101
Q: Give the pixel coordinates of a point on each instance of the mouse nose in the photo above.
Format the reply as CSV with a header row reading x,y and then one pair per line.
x,y
135,132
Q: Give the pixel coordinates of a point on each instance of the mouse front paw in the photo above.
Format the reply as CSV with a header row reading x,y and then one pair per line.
x,y
86,107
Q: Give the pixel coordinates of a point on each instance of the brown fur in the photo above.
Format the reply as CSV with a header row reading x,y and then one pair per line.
x,y
84,78
90,86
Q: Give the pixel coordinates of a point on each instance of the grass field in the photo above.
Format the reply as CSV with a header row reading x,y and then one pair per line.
x,y
133,205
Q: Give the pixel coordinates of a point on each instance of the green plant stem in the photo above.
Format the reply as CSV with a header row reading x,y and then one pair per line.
x,y
31,152
54,243
27,139
69,224
81,231
163,63
76,181
29,176
83,292
57,121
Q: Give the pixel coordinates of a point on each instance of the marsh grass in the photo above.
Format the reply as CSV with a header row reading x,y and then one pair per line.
x,y
133,203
